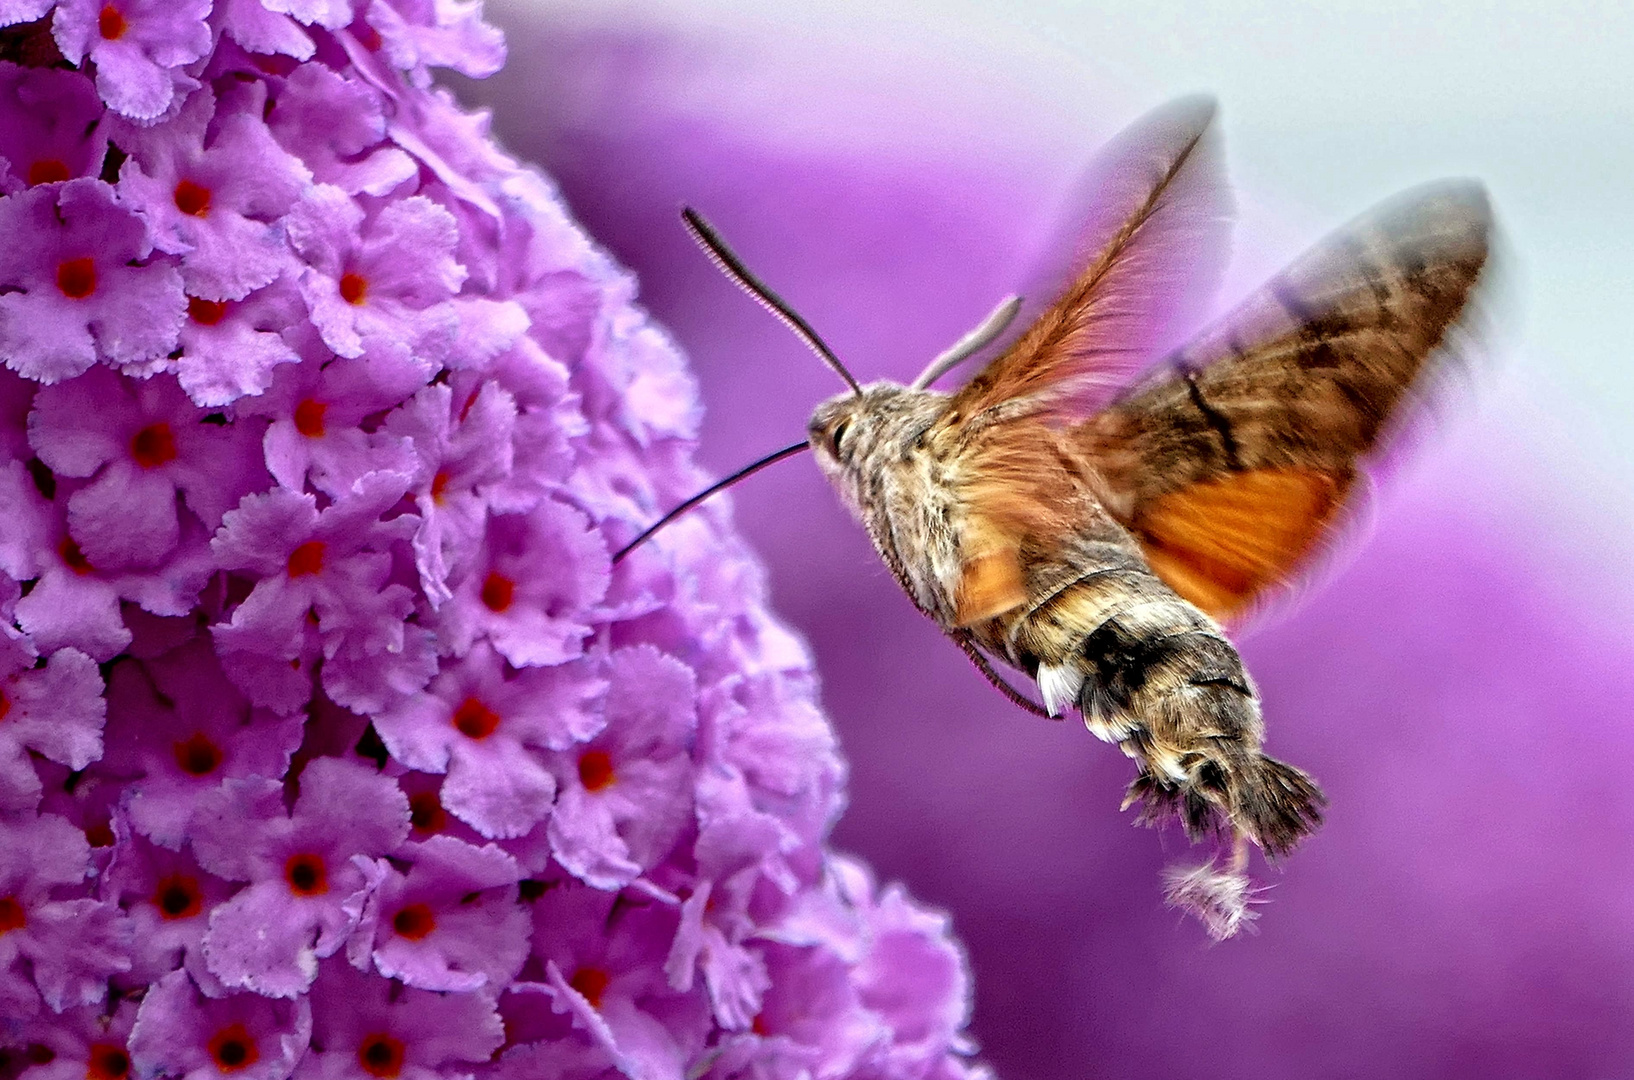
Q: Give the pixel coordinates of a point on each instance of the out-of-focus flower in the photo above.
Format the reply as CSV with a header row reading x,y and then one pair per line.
x,y
331,741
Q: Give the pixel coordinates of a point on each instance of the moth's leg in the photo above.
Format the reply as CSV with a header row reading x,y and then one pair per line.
x,y
962,637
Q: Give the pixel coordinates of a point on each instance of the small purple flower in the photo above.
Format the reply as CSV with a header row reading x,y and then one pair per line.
x,y
452,922
49,127
55,711
181,1033
710,943
532,619
75,604
304,884
547,424
603,962
916,980
73,296
169,899
213,186
138,47
84,1043
625,797
812,1021
378,283
461,448
773,764
143,445
230,349
479,724
182,729
317,434
369,1026
323,587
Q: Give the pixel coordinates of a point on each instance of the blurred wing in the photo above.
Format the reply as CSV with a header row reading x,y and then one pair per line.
x,y
1148,251
1014,485
1232,464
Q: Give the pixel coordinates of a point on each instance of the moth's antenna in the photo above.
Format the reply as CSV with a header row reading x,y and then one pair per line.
x,y
743,473
733,267
972,343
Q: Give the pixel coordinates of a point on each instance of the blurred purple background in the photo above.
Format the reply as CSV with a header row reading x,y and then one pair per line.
x,y
1468,909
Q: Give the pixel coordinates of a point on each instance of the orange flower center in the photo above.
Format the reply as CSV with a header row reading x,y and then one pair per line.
x,y
74,557
110,23
77,277
5,704
426,813
153,446
192,198
381,1055
595,769
414,922
99,834
439,484
306,560
234,1048
591,983
353,287
178,896
12,916
47,171
309,418
206,312
497,591
474,719
107,1062
197,755
306,876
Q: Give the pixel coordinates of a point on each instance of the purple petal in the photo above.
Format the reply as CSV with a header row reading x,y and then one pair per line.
x,y
264,941
258,30
498,794
126,518
58,710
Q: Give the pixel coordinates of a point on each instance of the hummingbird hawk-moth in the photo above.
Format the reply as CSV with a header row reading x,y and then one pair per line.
x,y
1094,529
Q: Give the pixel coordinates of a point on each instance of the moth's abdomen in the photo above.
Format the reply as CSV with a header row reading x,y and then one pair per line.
x,y
1150,672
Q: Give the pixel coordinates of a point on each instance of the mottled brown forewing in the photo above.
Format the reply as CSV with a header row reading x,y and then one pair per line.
x,y
1265,417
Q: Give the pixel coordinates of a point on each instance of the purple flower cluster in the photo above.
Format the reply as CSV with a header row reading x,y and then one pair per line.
x,y
331,741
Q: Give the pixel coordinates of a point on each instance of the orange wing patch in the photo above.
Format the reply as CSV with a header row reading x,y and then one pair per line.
x,y
1221,542
991,584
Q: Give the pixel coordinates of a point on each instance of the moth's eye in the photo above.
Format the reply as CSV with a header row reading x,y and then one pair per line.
x,y
835,436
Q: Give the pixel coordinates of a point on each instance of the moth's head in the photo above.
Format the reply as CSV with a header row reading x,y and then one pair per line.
x,y
853,435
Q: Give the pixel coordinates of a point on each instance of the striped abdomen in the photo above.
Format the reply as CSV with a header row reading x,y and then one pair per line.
x,y
1152,673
